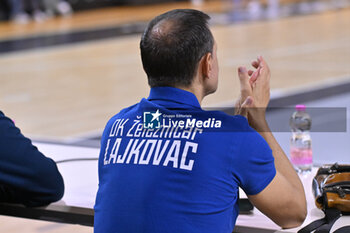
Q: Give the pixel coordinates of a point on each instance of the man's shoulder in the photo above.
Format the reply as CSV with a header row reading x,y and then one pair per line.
x,y
5,124
230,123
4,119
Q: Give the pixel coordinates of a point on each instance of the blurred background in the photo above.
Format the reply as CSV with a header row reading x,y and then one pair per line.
x,y
67,66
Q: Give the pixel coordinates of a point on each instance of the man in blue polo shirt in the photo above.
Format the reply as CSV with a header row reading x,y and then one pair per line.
x,y
167,166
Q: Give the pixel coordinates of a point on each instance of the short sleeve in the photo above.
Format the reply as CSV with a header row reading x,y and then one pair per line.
x,y
253,164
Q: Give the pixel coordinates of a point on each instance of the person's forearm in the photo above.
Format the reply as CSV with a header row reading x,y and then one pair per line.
x,y
282,163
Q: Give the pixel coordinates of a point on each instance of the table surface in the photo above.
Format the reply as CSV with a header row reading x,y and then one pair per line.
x,y
81,183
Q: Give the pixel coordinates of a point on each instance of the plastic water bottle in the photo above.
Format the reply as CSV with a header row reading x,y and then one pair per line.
x,y
300,142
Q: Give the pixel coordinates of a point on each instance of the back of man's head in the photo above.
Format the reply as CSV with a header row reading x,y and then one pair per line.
x,y
172,46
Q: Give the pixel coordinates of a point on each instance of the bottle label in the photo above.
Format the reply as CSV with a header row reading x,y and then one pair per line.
x,y
301,156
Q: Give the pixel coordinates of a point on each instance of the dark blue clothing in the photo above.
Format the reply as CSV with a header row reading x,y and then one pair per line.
x,y
177,179
26,175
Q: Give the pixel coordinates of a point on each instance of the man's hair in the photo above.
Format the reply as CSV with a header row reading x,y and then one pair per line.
x,y
172,46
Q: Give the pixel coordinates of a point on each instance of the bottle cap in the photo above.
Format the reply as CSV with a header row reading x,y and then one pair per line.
x,y
300,107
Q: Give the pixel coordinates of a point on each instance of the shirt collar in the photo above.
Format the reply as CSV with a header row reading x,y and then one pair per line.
x,y
173,94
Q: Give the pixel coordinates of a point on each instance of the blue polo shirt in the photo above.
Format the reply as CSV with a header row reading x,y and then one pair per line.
x,y
167,166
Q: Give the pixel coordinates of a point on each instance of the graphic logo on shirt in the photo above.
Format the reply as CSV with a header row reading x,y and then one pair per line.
x,y
152,120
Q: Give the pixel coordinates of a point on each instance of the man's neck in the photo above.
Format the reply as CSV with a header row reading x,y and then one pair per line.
x,y
196,91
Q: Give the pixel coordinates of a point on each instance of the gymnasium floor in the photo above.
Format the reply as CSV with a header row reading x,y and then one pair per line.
x,y
61,80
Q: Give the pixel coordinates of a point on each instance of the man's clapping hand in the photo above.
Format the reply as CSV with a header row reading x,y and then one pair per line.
x,y
255,92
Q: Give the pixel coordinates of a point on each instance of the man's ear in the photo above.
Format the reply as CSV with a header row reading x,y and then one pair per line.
x,y
206,65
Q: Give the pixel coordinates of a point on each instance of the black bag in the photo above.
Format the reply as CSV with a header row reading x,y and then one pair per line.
x,y
331,189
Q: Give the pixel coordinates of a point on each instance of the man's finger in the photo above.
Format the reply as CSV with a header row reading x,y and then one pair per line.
x,y
243,108
247,102
262,62
254,76
244,82
237,109
264,70
255,64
